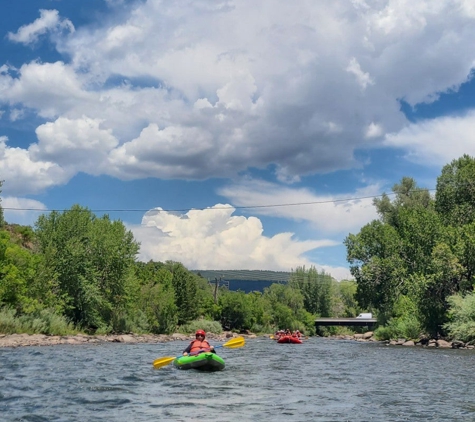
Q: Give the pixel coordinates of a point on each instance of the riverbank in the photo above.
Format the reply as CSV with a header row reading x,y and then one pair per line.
x,y
437,343
23,340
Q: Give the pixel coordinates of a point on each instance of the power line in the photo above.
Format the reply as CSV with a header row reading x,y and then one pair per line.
x,y
332,201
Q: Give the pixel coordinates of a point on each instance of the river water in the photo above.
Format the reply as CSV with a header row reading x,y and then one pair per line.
x,y
320,380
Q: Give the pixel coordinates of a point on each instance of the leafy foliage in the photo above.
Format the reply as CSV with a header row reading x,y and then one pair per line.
x,y
315,288
202,324
420,251
93,260
2,219
461,325
45,321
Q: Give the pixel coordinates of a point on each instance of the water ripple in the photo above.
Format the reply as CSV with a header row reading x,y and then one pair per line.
x,y
320,380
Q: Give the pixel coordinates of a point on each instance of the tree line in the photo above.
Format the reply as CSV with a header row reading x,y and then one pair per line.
x,y
75,271
413,267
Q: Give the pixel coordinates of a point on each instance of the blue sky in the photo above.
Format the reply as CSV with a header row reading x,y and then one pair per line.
x,y
231,134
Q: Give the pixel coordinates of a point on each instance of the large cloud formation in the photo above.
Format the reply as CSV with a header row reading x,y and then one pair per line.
x,y
208,89
200,89
214,238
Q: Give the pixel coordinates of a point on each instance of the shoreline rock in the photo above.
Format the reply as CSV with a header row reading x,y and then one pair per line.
x,y
437,343
25,340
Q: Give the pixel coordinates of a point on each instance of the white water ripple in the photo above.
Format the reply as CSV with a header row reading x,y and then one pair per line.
x,y
320,380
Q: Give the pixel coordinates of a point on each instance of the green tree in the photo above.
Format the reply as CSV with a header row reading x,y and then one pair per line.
x,y
315,288
236,310
18,271
92,260
407,195
442,281
461,324
186,289
156,296
455,195
344,303
286,304
376,261
157,301
2,219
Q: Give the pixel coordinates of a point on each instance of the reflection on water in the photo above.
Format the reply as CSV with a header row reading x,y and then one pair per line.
x,y
320,380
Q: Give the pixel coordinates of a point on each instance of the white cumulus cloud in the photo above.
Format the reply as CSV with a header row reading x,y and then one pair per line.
x,y
329,214
301,90
437,141
49,21
214,238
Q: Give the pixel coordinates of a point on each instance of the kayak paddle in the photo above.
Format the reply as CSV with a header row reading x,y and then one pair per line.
x,y
234,343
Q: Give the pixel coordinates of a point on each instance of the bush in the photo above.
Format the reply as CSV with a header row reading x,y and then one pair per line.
x,y
8,323
261,329
125,322
462,318
407,327
45,321
201,324
383,333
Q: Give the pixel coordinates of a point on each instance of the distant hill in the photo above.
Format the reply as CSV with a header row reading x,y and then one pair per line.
x,y
245,280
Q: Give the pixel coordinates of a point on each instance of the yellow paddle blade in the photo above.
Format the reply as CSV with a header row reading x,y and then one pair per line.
x,y
234,343
272,337
158,363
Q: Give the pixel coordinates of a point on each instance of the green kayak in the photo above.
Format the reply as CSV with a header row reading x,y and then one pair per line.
x,y
203,362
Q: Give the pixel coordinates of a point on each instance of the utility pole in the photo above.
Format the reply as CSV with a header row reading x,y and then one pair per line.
x,y
216,290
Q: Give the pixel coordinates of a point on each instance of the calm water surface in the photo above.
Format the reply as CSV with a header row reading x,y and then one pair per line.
x,y
320,380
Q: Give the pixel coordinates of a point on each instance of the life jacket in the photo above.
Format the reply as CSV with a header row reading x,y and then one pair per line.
x,y
197,345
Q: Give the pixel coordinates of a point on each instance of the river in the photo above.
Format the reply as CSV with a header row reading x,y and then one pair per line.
x,y
320,380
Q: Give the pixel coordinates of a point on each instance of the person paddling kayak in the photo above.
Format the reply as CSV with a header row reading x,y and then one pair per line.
x,y
199,345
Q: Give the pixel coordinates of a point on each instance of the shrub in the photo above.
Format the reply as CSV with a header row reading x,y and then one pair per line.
x,y
407,327
462,318
383,333
201,324
261,329
44,321
8,323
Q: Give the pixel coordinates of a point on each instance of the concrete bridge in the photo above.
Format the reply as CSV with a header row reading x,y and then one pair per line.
x,y
346,322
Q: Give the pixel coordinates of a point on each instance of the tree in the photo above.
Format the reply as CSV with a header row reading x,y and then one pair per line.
x,y
376,261
455,196
286,305
236,310
407,195
344,302
157,301
185,289
461,325
441,281
92,260
315,288
156,296
18,277
2,220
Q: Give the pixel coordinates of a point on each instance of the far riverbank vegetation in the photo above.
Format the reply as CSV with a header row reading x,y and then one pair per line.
x,y
413,268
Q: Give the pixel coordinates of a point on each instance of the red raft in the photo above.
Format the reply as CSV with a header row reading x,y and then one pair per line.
x,y
289,339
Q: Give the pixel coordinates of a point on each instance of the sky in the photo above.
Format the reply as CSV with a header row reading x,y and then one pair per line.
x,y
231,134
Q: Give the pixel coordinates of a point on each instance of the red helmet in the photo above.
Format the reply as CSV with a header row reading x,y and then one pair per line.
x,y
198,332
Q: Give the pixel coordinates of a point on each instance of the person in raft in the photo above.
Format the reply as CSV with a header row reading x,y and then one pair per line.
x,y
199,345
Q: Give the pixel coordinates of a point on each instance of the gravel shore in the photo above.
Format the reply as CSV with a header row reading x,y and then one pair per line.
x,y
22,340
